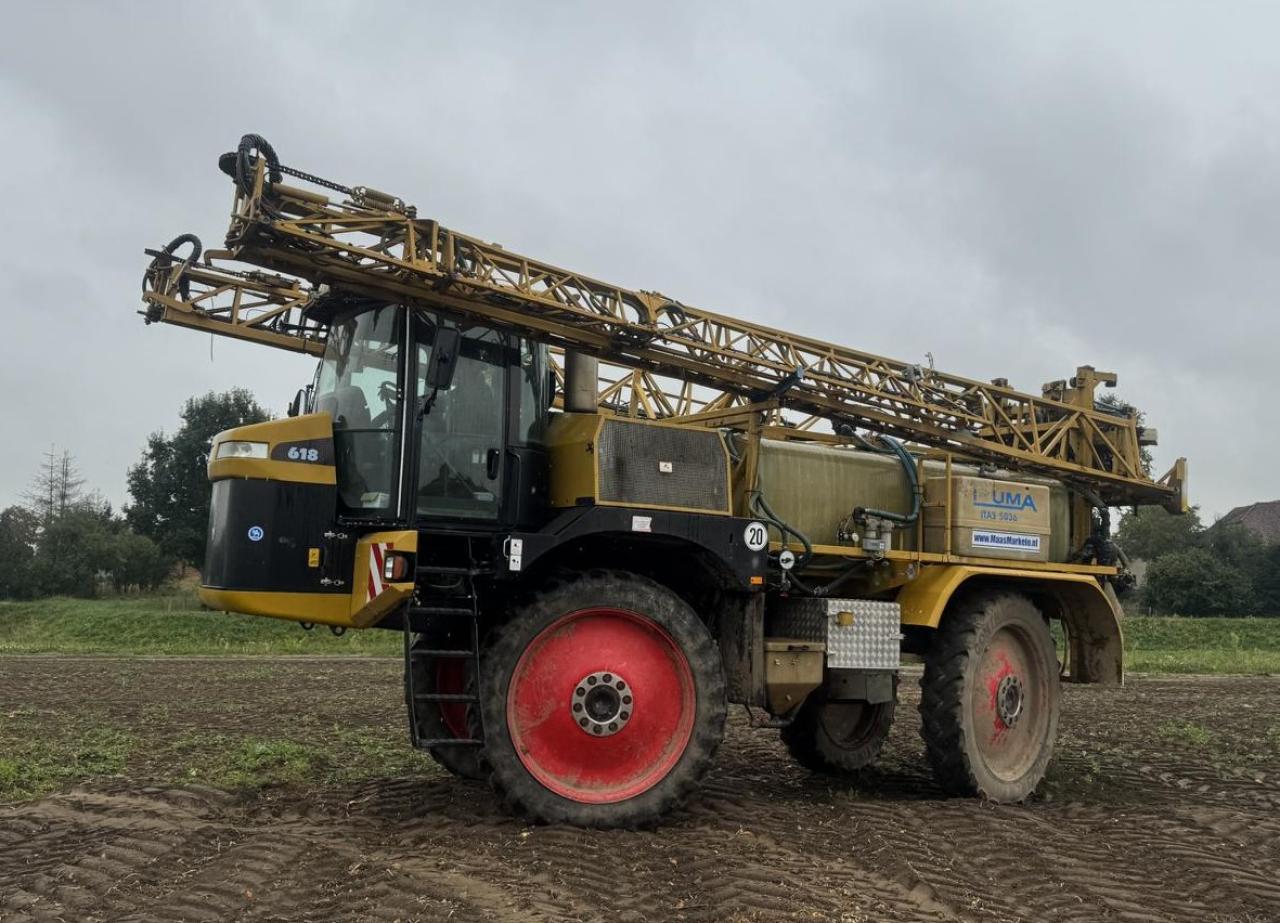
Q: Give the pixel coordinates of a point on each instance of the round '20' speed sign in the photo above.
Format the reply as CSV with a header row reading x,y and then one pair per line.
x,y
756,536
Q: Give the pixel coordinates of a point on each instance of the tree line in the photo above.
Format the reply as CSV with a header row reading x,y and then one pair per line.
x,y
1222,569
65,540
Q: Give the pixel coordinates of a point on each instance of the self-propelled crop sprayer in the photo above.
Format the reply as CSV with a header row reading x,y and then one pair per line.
x,y
589,557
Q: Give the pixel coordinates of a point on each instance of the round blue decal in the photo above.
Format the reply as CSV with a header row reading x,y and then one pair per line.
x,y
256,533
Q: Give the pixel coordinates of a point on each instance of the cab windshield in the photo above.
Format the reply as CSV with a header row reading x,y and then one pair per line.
x,y
356,386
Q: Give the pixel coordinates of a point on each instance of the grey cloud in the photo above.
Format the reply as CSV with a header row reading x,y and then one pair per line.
x,y
1015,190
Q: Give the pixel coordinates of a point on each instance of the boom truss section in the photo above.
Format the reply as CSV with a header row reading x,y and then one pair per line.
x,y
244,303
669,359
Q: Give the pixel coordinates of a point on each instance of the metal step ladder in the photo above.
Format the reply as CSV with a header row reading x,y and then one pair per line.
x,y
447,611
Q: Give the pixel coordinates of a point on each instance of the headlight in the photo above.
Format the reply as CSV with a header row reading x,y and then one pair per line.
x,y
242,450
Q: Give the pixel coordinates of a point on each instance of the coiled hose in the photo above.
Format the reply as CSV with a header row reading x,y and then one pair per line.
x,y
239,164
152,278
909,468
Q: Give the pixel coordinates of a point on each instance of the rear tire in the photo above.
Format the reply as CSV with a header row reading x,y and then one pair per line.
x,y
839,737
989,698
603,700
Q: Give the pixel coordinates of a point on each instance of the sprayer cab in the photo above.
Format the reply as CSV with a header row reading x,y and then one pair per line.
x,y
412,419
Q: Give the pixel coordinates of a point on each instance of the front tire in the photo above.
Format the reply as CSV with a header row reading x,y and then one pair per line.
x,y
989,698
603,701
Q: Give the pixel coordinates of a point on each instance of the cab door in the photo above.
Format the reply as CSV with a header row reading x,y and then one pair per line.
x,y
461,438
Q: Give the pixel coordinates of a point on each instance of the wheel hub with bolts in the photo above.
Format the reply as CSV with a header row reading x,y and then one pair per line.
x,y
601,703
1009,700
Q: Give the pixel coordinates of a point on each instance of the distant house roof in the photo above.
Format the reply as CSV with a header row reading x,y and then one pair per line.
x,y
1262,519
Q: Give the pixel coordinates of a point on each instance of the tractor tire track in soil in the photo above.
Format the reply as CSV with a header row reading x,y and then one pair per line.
x,y
1137,822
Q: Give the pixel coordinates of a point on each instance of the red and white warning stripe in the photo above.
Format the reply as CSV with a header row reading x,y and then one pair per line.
x,y
377,554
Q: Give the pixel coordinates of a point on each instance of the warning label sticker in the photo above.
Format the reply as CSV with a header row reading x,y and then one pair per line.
x,y
1010,541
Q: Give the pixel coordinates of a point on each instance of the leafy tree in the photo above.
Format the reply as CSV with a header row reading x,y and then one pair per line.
x,y
87,549
137,562
1266,581
169,485
69,542
74,552
1149,532
1196,581
18,530
1234,544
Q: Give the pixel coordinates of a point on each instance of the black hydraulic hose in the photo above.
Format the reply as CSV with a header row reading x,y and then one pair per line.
x,y
1092,498
849,432
196,247
1099,543
163,260
909,467
244,165
864,443
804,587
831,586
761,507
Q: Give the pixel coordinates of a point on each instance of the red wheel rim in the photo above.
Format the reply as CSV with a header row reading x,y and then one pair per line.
x,y
451,677
1010,712
546,733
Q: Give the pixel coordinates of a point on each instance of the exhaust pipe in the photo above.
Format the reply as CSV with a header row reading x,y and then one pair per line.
x,y
581,379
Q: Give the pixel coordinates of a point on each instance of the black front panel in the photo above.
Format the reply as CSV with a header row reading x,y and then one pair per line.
x,y
261,534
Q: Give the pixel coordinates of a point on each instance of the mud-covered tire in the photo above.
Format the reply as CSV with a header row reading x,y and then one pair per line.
x,y
436,722
839,737
649,722
990,698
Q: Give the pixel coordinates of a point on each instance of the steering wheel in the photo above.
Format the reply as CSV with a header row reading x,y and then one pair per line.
x,y
387,393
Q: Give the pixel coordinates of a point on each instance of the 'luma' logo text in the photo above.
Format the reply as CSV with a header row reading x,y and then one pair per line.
x,y
1007,500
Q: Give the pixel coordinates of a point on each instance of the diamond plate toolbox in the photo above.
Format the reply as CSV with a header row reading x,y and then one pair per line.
x,y
860,634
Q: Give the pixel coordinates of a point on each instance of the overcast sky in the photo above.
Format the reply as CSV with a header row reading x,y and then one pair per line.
x,y
1017,191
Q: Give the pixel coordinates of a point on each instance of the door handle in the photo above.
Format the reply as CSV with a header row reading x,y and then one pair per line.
x,y
491,461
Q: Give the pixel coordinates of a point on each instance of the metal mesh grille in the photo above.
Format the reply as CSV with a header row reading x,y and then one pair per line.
x,y
662,466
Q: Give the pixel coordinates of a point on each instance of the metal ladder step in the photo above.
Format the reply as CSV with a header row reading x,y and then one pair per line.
x,y
447,594
446,697
450,742
442,610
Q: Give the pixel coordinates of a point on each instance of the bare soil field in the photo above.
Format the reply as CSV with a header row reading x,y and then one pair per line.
x,y
274,789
